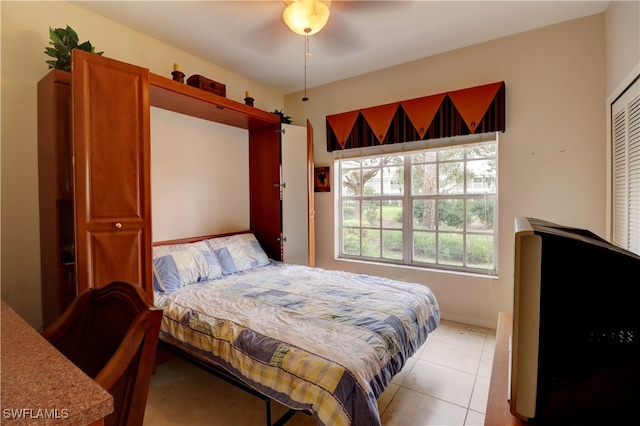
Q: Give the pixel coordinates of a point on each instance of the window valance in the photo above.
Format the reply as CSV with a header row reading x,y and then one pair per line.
x,y
477,109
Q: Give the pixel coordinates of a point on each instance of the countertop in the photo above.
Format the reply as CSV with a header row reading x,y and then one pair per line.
x,y
40,385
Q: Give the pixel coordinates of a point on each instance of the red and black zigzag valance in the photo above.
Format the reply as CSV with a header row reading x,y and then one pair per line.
x,y
478,109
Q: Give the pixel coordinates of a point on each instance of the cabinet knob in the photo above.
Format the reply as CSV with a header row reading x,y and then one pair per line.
x,y
118,225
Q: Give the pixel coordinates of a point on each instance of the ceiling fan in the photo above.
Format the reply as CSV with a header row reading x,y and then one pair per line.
x,y
333,20
306,17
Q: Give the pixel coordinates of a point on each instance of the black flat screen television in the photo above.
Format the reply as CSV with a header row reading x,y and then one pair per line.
x,y
576,328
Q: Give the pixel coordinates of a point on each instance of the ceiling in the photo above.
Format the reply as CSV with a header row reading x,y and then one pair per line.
x,y
250,38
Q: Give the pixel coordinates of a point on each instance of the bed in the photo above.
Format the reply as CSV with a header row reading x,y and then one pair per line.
x,y
320,341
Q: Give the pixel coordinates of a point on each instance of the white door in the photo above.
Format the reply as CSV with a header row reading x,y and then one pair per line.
x,y
625,119
295,211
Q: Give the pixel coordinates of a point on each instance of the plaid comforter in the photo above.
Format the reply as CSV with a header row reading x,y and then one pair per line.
x,y
318,340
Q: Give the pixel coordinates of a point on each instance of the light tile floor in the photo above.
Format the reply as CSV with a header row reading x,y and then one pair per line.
x,y
445,383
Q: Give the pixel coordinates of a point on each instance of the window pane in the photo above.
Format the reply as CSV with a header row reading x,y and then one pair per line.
x,y
392,214
353,163
481,176
351,241
351,182
372,182
449,154
451,178
371,214
393,178
480,215
394,160
424,247
450,249
371,162
392,244
424,179
371,243
482,150
480,251
424,214
351,213
451,215
424,157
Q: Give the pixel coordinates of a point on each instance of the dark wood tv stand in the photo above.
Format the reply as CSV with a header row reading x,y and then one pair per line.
x,y
497,413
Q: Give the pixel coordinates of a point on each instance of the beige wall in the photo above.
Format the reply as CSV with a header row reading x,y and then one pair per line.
x,y
191,180
622,43
551,156
25,34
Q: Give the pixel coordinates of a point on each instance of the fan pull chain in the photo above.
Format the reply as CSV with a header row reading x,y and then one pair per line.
x,y
307,53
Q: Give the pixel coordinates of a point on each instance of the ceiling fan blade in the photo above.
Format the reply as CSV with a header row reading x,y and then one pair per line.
x,y
338,37
366,8
344,32
262,30
270,37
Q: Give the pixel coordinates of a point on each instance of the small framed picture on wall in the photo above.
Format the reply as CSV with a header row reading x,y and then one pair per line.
x,y
322,180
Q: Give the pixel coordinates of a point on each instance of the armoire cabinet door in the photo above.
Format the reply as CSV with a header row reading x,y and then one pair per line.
x,y
111,150
265,194
311,203
297,198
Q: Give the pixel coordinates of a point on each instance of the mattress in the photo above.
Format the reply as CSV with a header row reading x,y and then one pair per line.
x,y
328,342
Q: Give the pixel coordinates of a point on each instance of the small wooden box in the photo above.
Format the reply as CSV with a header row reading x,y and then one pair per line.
x,y
207,85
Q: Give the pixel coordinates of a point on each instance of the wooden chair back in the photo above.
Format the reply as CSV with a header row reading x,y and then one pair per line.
x,y
111,333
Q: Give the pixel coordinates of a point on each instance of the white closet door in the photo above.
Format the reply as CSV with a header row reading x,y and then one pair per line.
x,y
625,119
295,211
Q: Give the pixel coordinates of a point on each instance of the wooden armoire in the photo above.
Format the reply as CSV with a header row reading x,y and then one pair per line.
x,y
94,173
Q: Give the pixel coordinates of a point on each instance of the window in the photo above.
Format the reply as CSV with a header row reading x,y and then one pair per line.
x,y
427,207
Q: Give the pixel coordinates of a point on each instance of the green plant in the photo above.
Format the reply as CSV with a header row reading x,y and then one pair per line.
x,y
283,118
64,40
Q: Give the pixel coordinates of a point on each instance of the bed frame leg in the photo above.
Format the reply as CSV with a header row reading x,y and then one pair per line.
x,y
285,417
282,420
268,401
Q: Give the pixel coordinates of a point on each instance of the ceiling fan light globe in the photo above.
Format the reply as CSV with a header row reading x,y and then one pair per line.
x,y
306,17
288,2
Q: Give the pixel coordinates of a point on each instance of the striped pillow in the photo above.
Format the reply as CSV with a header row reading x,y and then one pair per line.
x,y
178,265
238,253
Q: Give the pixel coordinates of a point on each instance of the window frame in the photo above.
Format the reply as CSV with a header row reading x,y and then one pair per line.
x,y
407,199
